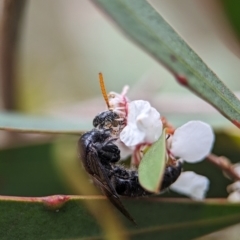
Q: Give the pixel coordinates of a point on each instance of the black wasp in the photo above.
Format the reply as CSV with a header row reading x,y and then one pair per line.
x,y
99,156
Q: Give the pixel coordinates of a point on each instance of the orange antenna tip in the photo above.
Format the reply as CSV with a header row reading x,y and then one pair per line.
x,y
103,89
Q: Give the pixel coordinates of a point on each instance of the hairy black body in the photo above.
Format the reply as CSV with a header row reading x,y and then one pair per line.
x,y
99,156
126,183
97,153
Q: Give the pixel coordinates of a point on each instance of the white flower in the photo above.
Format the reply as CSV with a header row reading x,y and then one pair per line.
x,y
236,168
234,197
143,124
234,187
192,185
192,141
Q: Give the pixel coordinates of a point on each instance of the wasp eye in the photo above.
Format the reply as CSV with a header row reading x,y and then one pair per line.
x,y
96,121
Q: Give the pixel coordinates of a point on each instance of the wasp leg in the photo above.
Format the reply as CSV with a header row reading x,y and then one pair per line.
x,y
108,152
126,182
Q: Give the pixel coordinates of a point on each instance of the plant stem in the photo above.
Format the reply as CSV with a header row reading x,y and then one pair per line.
x,y
225,164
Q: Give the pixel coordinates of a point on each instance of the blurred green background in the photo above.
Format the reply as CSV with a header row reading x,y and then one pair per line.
x,y
64,44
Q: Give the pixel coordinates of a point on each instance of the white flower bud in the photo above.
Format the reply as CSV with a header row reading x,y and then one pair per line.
x,y
234,197
234,187
192,185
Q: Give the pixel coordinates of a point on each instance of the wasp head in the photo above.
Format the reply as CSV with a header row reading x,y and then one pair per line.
x,y
109,120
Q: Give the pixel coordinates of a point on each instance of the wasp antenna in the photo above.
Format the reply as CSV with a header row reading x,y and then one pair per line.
x,y
103,89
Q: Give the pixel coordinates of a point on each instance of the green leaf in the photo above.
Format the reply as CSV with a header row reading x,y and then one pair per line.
x,y
152,165
53,217
144,25
11,121
38,218
29,171
66,217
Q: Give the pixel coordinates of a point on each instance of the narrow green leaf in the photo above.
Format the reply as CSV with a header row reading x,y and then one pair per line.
x,y
11,121
69,217
66,217
144,25
152,165
29,171
54,217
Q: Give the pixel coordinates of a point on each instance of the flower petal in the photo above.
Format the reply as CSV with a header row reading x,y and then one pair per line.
x,y
192,185
124,150
192,141
136,108
143,124
131,136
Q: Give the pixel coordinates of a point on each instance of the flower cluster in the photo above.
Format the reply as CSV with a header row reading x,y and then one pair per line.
x,y
234,188
191,142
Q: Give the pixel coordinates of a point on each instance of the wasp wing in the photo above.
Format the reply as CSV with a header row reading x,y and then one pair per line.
x,y
101,179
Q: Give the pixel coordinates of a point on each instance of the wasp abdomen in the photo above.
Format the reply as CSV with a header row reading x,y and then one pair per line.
x,y
171,174
126,182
